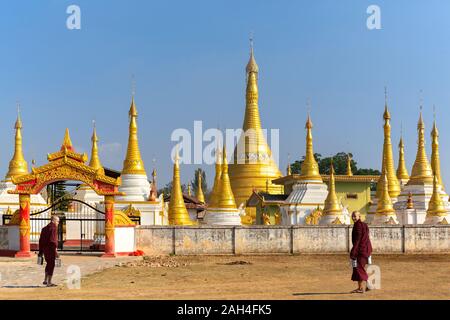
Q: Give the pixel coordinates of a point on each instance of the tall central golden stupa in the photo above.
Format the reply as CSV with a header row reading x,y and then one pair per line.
x,y
253,166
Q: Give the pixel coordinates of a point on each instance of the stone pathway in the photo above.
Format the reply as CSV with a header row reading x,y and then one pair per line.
x,y
26,273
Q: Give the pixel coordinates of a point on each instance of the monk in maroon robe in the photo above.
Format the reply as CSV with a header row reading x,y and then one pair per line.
x,y
48,244
361,251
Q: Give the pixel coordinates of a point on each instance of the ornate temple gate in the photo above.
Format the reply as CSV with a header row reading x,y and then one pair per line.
x,y
81,226
64,165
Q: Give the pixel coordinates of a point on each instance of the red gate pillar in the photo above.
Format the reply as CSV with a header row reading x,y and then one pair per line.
x,y
24,226
109,227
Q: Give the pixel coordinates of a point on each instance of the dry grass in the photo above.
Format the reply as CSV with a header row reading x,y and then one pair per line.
x,y
256,277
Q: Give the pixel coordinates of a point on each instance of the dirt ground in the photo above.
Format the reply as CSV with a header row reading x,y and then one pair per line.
x,y
254,277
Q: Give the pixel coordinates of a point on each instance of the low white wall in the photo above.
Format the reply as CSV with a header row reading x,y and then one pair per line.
x,y
9,238
198,240
124,239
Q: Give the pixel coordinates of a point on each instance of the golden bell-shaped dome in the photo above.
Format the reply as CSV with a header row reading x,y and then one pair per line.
x,y
178,214
331,206
421,172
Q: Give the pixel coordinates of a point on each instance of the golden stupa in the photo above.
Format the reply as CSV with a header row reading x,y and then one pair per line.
x,y
349,166
17,165
384,206
421,172
133,163
388,160
95,159
178,214
435,161
199,191
214,197
253,166
226,197
331,205
402,172
436,206
310,167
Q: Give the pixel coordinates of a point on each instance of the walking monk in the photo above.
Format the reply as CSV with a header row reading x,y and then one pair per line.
x,y
361,251
48,243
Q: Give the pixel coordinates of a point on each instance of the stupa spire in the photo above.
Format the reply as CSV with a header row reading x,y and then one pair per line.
x,y
435,159
252,163
133,163
95,159
17,165
214,197
384,206
331,205
309,167
178,214
349,165
387,157
402,172
199,192
436,206
226,197
421,172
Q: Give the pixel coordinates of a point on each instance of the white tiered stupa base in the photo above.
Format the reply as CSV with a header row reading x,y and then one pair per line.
x,y
432,219
380,219
330,219
305,197
222,217
135,186
421,195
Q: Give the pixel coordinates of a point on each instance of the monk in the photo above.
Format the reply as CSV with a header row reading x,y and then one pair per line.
x,y
48,244
361,251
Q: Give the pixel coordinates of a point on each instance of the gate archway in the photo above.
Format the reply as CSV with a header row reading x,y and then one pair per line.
x,y
64,165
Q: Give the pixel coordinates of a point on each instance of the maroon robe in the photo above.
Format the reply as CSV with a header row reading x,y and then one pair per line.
x,y
48,242
362,249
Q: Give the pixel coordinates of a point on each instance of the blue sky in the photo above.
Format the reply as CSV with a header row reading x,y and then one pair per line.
x,y
189,57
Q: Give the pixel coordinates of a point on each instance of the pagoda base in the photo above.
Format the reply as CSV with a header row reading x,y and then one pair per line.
x,y
306,197
380,219
222,217
330,219
135,186
432,219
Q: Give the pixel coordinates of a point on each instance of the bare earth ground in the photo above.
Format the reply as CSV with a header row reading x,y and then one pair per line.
x,y
253,277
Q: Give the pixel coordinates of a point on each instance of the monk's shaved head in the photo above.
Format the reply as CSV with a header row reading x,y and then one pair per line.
x,y
55,219
356,215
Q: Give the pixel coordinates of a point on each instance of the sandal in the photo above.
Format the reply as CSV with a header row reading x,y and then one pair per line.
x,y
51,285
358,291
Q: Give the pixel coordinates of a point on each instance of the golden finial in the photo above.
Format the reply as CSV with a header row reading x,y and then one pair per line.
x,y
133,163
252,66
387,158
199,192
436,206
67,142
309,167
95,159
384,206
349,165
178,214
226,197
421,172
17,166
331,205
214,197
435,158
